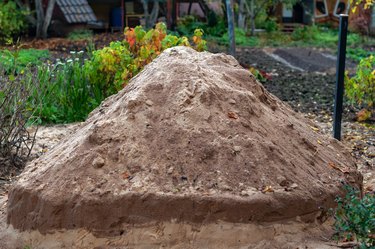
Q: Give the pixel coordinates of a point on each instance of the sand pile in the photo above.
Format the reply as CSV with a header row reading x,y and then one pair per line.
x,y
193,138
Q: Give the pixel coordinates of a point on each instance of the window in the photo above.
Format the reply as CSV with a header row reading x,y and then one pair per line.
x,y
341,7
320,8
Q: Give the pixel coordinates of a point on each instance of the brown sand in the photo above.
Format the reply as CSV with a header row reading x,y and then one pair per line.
x,y
192,139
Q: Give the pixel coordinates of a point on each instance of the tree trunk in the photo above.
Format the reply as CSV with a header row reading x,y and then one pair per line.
x,y
241,14
145,12
48,17
150,18
39,17
154,13
252,17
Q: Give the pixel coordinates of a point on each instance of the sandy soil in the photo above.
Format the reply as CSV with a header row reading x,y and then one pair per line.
x,y
291,234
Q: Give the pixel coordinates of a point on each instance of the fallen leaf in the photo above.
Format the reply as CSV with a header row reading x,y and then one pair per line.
x,y
363,115
268,189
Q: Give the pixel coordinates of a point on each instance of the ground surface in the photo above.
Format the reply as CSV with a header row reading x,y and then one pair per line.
x,y
307,91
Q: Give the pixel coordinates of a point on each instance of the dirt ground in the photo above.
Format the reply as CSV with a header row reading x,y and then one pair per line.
x,y
309,91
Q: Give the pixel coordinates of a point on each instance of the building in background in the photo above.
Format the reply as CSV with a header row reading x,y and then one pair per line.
x,y
307,12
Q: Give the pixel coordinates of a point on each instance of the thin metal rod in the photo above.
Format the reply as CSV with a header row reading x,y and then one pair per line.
x,y
340,74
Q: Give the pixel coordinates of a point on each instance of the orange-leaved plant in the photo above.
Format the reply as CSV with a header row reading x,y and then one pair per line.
x,y
112,67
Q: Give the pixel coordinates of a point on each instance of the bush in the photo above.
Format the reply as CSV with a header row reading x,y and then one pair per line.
x,y
355,218
69,90
357,54
65,92
360,88
112,67
306,33
16,141
215,27
12,20
271,25
187,24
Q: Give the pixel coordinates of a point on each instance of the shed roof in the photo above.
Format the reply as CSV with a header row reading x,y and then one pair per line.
x,y
76,11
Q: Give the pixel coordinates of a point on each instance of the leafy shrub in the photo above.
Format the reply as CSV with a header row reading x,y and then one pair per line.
x,y
360,88
354,39
112,67
19,59
69,90
188,24
271,25
357,54
355,218
261,18
260,75
306,33
65,92
12,20
80,34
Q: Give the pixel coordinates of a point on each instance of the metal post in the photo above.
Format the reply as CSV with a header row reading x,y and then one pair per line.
x,y
174,15
340,72
230,17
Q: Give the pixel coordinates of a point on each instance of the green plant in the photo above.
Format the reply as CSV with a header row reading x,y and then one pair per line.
x,y
12,20
20,58
305,33
64,92
259,75
80,34
357,54
360,88
241,38
274,39
188,24
113,66
271,25
355,217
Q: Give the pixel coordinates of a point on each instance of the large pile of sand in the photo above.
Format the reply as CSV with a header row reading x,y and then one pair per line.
x,y
193,138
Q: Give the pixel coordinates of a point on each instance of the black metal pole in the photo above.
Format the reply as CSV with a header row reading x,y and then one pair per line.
x,y
174,15
340,73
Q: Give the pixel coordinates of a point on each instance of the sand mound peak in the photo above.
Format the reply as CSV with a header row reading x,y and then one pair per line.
x,y
193,137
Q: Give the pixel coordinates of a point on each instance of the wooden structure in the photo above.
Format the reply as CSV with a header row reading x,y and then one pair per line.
x,y
313,11
172,10
76,11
